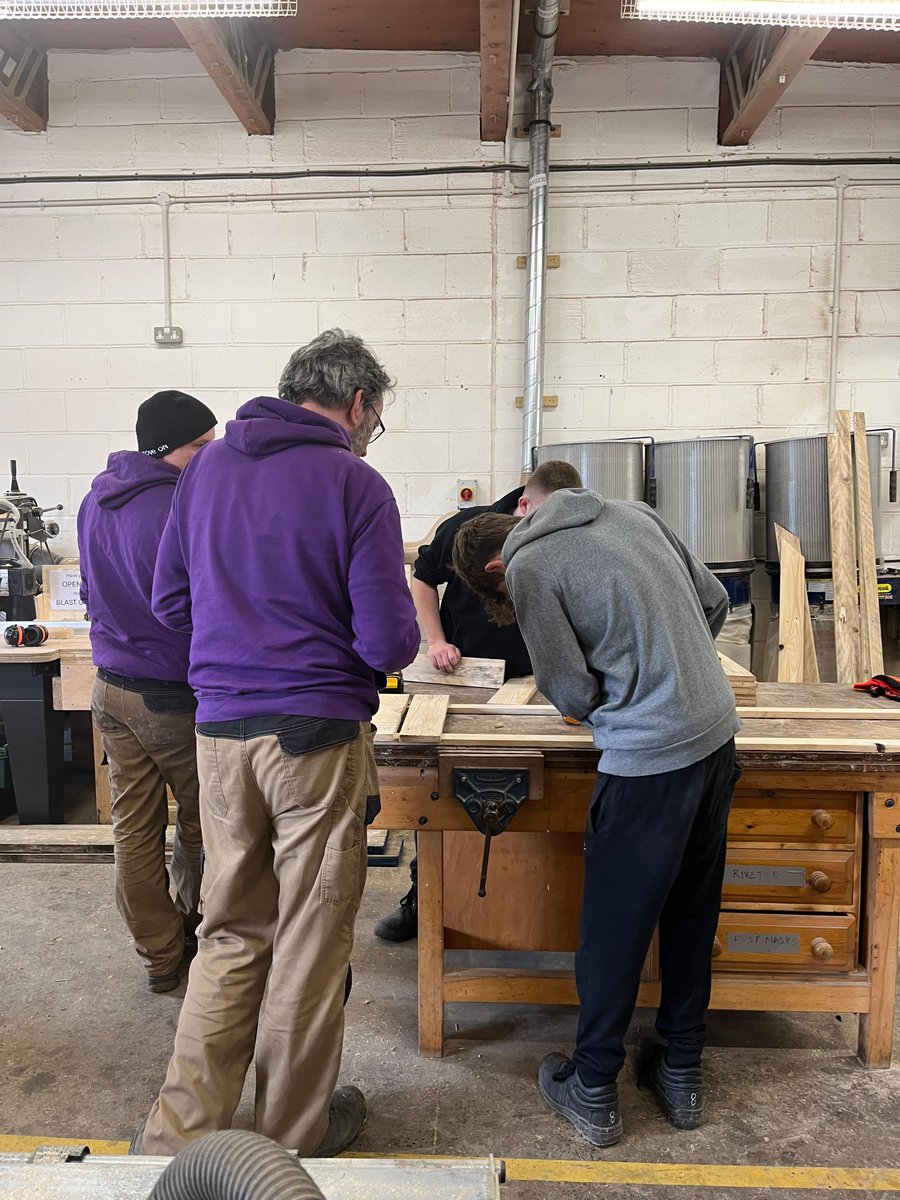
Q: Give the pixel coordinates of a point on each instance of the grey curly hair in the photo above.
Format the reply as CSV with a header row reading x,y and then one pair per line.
x,y
330,370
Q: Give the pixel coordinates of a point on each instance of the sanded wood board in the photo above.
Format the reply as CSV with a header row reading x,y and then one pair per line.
x,y
515,691
581,740
871,654
424,720
469,672
390,712
796,649
747,712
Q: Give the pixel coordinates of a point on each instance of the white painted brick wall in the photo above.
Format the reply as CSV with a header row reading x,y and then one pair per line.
x,y
673,313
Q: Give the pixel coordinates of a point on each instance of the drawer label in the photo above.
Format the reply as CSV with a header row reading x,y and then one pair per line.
x,y
764,943
738,876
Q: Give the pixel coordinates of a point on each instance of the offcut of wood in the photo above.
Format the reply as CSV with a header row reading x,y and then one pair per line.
x,y
468,672
515,691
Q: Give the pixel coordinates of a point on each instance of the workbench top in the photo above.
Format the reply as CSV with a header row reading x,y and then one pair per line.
x,y
75,648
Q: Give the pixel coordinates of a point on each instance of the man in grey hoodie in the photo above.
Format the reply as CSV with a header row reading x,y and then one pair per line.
x,y
619,619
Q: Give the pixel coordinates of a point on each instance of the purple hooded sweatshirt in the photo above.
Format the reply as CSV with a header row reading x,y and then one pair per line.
x,y
283,556
120,523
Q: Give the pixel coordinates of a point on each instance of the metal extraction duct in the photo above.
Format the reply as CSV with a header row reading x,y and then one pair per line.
x,y
540,89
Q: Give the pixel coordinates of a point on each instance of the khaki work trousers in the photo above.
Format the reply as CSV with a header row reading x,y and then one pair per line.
x,y
285,870
146,750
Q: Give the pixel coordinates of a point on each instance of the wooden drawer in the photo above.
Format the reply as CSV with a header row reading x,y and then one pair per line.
x,y
808,878
759,815
778,942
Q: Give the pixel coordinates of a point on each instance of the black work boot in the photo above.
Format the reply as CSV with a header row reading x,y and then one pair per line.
x,y
346,1118
164,983
679,1090
594,1111
403,922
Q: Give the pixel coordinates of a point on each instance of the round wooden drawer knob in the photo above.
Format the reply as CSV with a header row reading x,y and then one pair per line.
x,y
820,881
821,949
822,819
716,947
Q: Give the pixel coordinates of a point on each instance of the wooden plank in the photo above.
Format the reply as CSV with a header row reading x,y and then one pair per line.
x,y
749,712
240,63
469,672
737,124
871,655
735,670
496,49
75,685
424,720
391,708
578,739
515,691
490,709
24,84
754,993
881,923
843,549
431,943
796,649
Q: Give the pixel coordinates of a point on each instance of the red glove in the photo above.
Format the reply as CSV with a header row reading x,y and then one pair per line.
x,y
881,685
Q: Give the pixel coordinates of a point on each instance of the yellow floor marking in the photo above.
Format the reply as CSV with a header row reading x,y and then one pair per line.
x,y
563,1170
712,1175
11,1143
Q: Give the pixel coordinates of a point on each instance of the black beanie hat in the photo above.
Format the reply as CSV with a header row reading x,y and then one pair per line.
x,y
169,420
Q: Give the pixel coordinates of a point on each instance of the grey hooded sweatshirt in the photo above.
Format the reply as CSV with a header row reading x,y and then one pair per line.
x,y
619,619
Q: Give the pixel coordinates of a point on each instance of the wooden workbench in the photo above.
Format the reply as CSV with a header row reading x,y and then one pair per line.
x,y
811,904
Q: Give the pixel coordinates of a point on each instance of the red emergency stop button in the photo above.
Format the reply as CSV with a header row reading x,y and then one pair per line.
x,y
466,494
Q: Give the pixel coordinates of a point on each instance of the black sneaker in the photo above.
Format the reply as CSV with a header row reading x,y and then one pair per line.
x,y
594,1111
679,1090
403,923
346,1118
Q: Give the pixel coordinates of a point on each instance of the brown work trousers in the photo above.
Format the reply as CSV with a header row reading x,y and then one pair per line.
x,y
285,870
146,749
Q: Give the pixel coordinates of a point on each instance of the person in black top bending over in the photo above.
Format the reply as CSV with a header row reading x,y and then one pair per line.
x,y
458,626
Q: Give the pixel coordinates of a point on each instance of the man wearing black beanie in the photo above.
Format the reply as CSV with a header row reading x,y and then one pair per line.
x,y
142,705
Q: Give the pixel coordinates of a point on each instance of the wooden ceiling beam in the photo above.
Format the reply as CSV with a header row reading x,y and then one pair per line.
x,y
496,49
755,74
23,81
241,64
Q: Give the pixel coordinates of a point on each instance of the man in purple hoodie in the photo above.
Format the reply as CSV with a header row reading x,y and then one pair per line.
x,y
283,558
142,704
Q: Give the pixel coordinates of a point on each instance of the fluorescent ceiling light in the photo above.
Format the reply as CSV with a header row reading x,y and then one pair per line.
x,y
837,14
58,9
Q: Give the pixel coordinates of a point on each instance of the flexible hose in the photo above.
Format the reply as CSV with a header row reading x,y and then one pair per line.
x,y
235,1164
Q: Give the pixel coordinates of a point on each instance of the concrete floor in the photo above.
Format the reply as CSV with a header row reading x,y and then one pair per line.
x,y
84,1047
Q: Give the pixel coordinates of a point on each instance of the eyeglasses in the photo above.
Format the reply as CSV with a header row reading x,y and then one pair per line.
x,y
379,430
